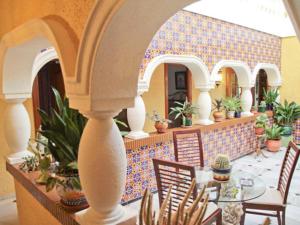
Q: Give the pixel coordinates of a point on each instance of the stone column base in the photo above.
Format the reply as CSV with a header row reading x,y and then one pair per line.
x,y
137,135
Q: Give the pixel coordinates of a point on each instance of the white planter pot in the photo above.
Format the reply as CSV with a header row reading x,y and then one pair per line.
x,y
230,114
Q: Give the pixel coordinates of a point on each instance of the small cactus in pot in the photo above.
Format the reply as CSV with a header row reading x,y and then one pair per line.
x,y
221,168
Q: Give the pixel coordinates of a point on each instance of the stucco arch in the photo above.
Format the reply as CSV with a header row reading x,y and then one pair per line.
x,y
241,69
19,48
41,60
272,71
200,72
113,45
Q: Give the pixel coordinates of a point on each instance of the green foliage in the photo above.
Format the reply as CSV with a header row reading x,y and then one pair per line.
x,y
31,163
261,120
274,132
218,104
232,104
121,123
185,109
63,129
156,117
287,113
270,96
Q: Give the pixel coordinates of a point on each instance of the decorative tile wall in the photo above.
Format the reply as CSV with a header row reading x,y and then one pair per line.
x,y
236,140
212,40
297,132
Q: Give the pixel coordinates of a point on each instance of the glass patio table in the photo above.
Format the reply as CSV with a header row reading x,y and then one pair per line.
x,y
242,186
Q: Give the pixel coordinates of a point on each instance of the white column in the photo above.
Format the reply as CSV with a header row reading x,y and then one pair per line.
x,y
246,101
136,118
102,168
204,107
17,130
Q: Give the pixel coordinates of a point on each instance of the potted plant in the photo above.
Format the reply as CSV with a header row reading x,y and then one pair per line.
x,y
186,110
231,105
270,98
221,168
273,136
285,115
160,124
254,109
63,128
218,107
260,124
262,107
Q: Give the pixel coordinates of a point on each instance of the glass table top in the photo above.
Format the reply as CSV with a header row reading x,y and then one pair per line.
x,y
242,186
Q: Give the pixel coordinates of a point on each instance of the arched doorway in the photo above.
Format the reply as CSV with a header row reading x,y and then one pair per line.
x,y
261,84
50,76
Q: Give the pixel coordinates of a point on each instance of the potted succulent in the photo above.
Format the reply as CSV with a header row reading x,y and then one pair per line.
x,y
273,136
218,113
63,128
260,124
186,110
231,105
285,115
160,124
262,107
221,168
270,98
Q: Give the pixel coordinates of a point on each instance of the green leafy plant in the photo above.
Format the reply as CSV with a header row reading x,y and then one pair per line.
x,y
261,121
270,96
218,105
232,104
262,104
274,132
156,117
286,113
121,123
63,129
185,109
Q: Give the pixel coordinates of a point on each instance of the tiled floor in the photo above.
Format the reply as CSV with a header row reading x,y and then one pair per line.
x,y
268,169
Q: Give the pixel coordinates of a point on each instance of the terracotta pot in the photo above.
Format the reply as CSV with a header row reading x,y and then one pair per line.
x,y
161,127
273,145
259,130
218,116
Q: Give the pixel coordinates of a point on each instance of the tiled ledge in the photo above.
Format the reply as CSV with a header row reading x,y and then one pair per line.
x,y
49,200
155,137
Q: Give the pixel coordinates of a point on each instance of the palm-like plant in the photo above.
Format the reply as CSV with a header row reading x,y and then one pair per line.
x,y
63,129
186,109
231,104
287,113
270,97
274,132
218,105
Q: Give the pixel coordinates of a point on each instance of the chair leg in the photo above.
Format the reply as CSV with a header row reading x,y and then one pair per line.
x,y
283,217
278,217
243,217
219,219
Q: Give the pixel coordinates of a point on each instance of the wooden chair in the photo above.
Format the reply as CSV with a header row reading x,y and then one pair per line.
x,y
275,200
180,177
188,147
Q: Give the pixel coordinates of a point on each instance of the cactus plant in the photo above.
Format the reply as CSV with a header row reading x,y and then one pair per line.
x,y
222,162
183,215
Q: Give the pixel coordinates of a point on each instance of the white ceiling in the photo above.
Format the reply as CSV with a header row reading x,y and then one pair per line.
x,y
264,15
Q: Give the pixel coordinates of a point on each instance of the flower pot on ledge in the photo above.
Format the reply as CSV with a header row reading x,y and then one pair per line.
x,y
218,116
161,127
187,121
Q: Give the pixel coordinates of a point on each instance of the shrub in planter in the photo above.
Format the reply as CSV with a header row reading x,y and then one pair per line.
x,y
218,113
185,110
63,129
160,124
231,105
270,98
260,124
273,136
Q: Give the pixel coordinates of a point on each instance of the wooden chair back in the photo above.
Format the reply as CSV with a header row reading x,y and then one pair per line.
x,y
287,169
176,174
188,147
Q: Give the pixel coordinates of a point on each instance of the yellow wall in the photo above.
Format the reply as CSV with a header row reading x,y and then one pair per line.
x,y
155,98
16,12
290,69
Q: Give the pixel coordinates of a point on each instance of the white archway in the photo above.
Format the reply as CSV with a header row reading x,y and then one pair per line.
x,y
41,60
199,70
18,51
244,76
272,71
